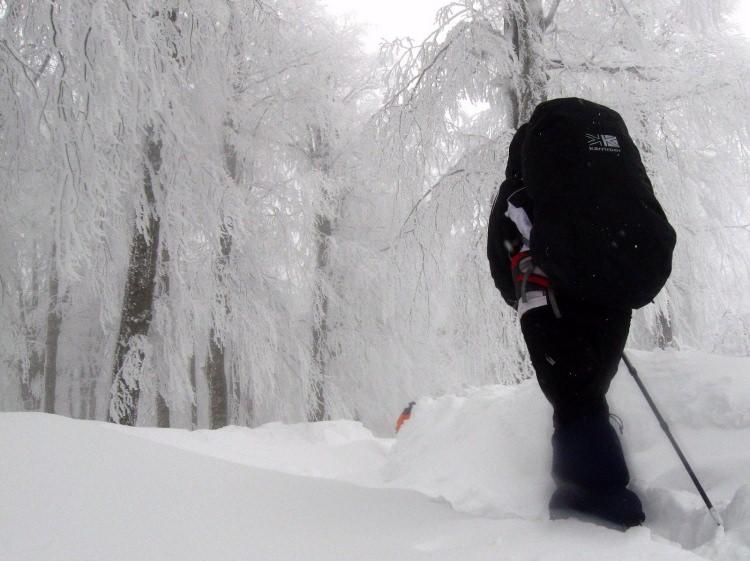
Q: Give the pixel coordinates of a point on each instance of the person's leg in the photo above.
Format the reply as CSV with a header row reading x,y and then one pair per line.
x,y
575,358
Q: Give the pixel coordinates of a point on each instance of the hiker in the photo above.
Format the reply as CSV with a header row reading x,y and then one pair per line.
x,y
563,236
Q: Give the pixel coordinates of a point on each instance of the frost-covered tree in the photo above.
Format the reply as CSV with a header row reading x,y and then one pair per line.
x,y
34,91
171,175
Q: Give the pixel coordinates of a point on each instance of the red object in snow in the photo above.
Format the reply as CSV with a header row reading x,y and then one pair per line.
x,y
405,415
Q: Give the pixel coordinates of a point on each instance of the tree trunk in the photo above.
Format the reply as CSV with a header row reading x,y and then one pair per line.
x,y
217,383
235,401
83,407
137,308
320,157
193,385
92,399
32,378
54,320
664,335
664,332
323,229
29,392
215,362
162,411
216,373
524,27
162,407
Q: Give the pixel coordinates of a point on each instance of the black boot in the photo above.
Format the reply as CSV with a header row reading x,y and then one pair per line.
x,y
589,469
618,508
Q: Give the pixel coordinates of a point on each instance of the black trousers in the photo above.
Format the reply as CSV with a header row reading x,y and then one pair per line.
x,y
575,358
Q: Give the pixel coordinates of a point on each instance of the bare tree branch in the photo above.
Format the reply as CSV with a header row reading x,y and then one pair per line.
x,y
25,67
427,194
549,18
637,70
431,38
419,77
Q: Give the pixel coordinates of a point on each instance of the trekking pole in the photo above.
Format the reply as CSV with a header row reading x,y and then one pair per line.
x,y
665,428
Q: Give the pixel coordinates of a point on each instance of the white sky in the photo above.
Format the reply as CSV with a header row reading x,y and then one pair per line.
x,y
415,18
389,18
743,16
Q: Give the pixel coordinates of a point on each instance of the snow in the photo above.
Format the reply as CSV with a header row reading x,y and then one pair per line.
x,y
341,450
466,478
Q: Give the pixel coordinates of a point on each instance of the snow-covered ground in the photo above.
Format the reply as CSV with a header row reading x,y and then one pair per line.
x,y
466,479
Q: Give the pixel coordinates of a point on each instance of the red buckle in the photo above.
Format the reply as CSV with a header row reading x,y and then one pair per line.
x,y
535,279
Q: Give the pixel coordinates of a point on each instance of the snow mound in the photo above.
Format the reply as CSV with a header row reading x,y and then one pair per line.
x,y
488,452
484,453
696,390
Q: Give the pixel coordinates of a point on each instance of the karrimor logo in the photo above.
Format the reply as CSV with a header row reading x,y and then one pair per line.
x,y
603,143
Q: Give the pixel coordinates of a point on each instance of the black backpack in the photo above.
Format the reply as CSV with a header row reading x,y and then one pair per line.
x,y
599,233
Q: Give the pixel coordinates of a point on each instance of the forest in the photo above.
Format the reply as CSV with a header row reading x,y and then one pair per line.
x,y
228,212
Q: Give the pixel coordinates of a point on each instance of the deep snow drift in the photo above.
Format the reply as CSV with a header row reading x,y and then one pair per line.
x,y
487,453
466,479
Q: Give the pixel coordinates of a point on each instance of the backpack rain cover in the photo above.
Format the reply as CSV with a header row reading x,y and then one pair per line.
x,y
599,232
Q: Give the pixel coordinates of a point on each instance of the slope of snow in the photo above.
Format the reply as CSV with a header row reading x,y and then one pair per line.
x,y
78,491
467,479
341,450
488,452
